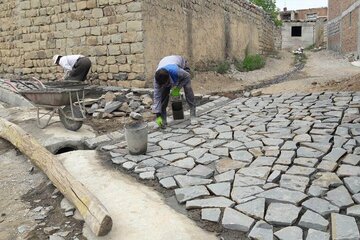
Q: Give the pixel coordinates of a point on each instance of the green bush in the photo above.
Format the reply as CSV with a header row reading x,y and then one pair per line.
x,y
223,67
251,63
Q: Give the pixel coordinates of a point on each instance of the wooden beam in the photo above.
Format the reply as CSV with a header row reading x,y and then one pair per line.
x,y
92,210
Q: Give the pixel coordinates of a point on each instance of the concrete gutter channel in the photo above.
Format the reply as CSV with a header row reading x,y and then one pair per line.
x,y
88,167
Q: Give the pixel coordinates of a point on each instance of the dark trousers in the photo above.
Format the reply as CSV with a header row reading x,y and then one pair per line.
x,y
165,96
80,70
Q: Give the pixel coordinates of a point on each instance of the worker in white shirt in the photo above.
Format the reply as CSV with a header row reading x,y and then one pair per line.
x,y
76,67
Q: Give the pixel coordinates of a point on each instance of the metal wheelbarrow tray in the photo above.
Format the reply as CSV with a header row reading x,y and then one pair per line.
x,y
68,102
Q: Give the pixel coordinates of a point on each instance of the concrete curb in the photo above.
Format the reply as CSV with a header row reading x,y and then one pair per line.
x,y
14,99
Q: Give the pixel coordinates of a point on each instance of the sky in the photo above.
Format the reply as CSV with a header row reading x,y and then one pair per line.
x,y
300,4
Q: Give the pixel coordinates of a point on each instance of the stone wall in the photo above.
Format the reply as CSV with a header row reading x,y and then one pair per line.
x,y
126,38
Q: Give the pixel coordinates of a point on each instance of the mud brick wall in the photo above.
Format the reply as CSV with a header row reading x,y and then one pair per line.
x,y
125,39
344,26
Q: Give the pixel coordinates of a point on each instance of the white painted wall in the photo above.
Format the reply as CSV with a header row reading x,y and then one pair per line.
x,y
307,38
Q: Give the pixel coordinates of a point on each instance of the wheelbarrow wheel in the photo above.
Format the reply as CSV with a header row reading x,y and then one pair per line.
x,y
65,115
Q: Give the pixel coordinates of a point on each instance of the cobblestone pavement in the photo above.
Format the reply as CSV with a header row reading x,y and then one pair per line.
x,y
274,165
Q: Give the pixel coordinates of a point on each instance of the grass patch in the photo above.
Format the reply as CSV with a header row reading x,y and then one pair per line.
x,y
250,63
223,67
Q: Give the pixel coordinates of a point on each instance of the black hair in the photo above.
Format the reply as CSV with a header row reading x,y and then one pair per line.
x,y
162,76
58,59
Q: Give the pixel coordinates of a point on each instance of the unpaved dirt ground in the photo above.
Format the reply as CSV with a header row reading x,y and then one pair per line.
x,y
22,189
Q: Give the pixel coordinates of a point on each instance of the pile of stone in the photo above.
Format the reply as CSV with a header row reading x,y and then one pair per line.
x,y
134,104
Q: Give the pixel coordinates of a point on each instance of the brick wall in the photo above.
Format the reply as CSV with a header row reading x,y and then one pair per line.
x,y
125,38
302,14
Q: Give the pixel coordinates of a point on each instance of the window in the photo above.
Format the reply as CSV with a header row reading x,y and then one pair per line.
x,y
296,31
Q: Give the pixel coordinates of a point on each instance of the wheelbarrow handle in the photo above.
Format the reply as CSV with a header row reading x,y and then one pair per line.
x,y
38,81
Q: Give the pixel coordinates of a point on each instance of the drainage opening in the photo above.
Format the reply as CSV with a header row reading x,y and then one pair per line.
x,y
65,149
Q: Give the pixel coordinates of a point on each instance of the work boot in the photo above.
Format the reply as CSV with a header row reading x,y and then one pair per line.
x,y
193,119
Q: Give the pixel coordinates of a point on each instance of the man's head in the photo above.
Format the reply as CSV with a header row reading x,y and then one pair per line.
x,y
56,59
162,77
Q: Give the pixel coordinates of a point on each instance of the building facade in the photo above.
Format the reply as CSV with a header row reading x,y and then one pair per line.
x,y
344,26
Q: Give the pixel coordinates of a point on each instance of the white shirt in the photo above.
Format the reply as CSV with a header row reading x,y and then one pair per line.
x,y
68,62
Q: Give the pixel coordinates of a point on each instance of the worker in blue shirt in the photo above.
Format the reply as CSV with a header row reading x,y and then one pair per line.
x,y
172,74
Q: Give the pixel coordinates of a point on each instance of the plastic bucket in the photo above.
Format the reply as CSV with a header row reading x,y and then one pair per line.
x,y
136,135
177,109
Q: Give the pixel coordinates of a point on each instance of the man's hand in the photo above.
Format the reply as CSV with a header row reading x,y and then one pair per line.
x,y
159,121
175,92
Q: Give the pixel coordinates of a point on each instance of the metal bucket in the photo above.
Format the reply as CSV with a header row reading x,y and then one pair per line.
x,y
136,135
177,109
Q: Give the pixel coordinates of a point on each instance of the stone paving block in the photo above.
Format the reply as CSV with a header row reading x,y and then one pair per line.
x,y
293,182
140,169
207,158
339,197
214,202
186,163
262,230
234,145
320,206
225,135
180,138
188,193
201,171
306,162
339,141
352,184
322,147
129,165
169,171
211,214
289,233
147,175
225,176
136,158
94,142
263,161
254,208
272,141
257,172
168,183
187,181
220,189
351,159
174,156
220,151
302,138
327,166
313,220
166,145
238,194
181,150
235,220
226,164
274,176
197,152
302,171
243,156
158,153
256,152
253,144
119,160
153,148
353,211
317,235
308,152
223,128
348,170
327,180
316,191
283,195
282,214
153,162
194,141
281,168
335,154
242,181
344,227
356,197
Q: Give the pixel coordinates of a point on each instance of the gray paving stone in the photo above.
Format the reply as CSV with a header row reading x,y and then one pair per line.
x,y
234,145
188,193
140,169
327,180
187,181
129,165
272,152
254,208
352,184
207,158
309,152
263,161
197,152
166,145
272,141
201,171
322,147
147,175
306,162
302,138
339,197
283,195
256,152
316,191
262,230
227,164
119,160
253,144
303,171
293,182
257,172
274,176
322,138
220,151
223,128
238,194
242,181
348,171
169,171
168,183
327,166
353,211
320,206
351,159
243,156
286,157
335,154
356,197
225,135
241,136
211,214
225,176
180,138
281,168
344,227
313,220
158,153
181,150
289,145
317,235
282,214
289,233
174,156
220,189
202,131
235,220
214,202
186,163
136,158
194,141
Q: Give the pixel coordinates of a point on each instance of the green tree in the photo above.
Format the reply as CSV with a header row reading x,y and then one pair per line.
x,y
269,6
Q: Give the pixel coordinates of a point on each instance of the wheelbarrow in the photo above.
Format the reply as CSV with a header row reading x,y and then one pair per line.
x,y
64,98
